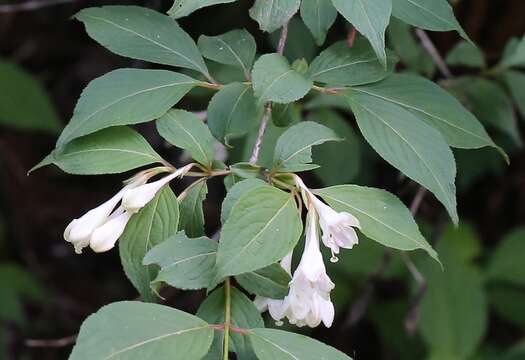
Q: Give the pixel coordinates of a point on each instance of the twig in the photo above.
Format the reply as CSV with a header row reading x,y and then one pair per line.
x,y
31,5
227,318
350,38
431,49
52,343
268,108
360,306
262,129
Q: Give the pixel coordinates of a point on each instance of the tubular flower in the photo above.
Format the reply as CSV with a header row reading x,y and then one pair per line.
x,y
308,302
337,227
135,199
101,227
105,236
79,231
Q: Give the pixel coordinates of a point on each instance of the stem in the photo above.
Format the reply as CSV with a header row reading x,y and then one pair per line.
x,y
262,129
268,109
183,194
431,49
227,318
210,85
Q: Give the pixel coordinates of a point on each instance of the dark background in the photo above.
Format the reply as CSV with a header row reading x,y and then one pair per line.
x,y
37,208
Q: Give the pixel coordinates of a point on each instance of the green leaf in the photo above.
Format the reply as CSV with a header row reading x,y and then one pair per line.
x,y
507,301
155,223
340,65
24,103
18,286
434,15
244,315
506,262
370,18
466,54
274,80
285,115
293,151
236,47
516,83
272,14
183,8
131,330
339,161
234,194
186,131
383,217
140,33
408,49
263,226
271,282
515,55
300,42
318,16
191,213
489,102
123,97
435,106
271,344
185,263
232,112
454,307
109,151
410,145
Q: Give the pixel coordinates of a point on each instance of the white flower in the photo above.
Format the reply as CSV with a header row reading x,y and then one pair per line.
x,y
105,236
135,199
337,227
79,231
308,302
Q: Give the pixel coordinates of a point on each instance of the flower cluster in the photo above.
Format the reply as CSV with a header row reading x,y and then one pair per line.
x,y
101,227
308,301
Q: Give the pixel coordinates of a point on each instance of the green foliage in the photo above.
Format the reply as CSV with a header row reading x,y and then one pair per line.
x,y
183,8
109,151
274,80
184,263
244,315
144,34
318,16
151,226
466,54
24,103
273,14
232,112
124,97
293,151
370,18
270,344
340,65
382,216
453,310
407,143
411,123
132,330
435,15
191,212
271,282
263,226
236,47
186,131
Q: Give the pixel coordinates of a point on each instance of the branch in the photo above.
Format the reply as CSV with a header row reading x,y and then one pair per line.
x,y
268,108
431,49
360,306
52,343
31,5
